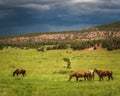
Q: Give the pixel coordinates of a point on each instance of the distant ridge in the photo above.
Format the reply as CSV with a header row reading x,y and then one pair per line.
x,y
109,27
92,33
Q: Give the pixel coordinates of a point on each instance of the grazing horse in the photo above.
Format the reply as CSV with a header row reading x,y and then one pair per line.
x,y
78,75
18,71
91,72
104,73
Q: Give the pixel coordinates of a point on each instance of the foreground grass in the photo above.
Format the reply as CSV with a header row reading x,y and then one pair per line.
x,y
47,74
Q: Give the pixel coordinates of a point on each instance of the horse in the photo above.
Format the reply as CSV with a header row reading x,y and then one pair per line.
x,y
91,72
103,73
78,75
18,71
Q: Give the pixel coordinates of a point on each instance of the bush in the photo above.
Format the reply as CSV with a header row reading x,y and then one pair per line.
x,y
1,47
94,48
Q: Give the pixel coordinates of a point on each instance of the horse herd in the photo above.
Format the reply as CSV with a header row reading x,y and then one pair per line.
x,y
80,74
90,74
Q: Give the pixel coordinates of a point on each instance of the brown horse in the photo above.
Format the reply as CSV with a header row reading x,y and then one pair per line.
x,y
88,75
78,75
103,73
18,71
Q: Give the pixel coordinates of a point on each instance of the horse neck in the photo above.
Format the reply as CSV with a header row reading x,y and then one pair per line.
x,y
70,77
97,71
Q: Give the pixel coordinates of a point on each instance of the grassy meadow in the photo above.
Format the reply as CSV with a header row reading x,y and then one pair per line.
x,y
47,74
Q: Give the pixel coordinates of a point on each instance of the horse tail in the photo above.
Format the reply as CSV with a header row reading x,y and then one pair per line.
x,y
110,73
25,72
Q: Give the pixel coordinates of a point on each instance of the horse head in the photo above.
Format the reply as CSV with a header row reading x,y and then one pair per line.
x,y
95,70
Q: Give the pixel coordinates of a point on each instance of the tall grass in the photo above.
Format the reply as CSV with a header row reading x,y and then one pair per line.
x,y
47,74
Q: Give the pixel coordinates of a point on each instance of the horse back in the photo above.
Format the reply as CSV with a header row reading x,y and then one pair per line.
x,y
16,70
105,73
88,74
80,74
20,71
23,71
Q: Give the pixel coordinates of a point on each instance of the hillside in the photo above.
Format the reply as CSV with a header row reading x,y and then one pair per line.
x,y
109,27
93,33
105,36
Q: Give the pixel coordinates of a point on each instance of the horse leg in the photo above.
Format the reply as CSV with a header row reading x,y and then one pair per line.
x,y
17,74
70,78
85,78
111,77
90,77
76,78
99,78
23,74
102,78
13,74
108,78
93,77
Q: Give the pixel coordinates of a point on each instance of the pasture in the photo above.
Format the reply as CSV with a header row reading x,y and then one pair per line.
x,y
46,73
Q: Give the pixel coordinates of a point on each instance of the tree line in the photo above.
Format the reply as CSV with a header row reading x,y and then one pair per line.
x,y
110,44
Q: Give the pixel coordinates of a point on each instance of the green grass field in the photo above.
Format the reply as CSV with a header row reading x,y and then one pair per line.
x,y
47,74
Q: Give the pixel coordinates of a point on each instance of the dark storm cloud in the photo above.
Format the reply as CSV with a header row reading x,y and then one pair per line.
x,y
22,16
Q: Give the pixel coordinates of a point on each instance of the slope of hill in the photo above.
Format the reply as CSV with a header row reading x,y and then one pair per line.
x,y
109,27
93,33
109,35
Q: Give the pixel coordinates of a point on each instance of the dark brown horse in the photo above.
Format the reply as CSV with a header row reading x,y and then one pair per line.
x,y
18,71
103,73
78,75
88,75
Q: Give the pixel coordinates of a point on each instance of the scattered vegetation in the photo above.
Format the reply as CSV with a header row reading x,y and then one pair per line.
x,y
109,44
68,62
72,39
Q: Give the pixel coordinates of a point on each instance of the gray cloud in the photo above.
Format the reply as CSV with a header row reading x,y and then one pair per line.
x,y
48,15
36,6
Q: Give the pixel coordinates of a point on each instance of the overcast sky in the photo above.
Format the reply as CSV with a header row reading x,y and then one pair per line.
x,y
24,16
